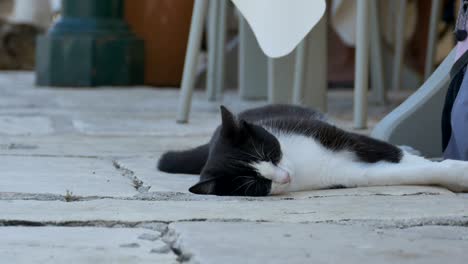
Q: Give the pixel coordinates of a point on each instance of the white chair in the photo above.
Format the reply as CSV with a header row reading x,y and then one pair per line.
x,y
278,32
400,41
367,19
417,121
363,29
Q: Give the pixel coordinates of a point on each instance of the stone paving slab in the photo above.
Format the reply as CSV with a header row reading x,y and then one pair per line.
x,y
25,125
55,175
212,243
132,99
137,100
81,245
9,102
341,208
92,142
135,125
91,146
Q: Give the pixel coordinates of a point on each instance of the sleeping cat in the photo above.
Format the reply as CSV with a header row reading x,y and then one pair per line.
x,y
279,148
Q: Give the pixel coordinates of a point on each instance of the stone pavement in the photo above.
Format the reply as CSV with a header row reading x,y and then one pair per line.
x,y
78,184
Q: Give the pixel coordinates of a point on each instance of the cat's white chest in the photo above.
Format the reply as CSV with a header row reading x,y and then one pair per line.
x,y
312,165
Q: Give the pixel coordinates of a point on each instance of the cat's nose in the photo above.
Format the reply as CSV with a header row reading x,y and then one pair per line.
x,y
282,176
287,179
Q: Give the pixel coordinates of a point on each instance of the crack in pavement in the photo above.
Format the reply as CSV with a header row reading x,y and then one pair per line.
x,y
48,197
148,196
384,224
171,238
145,195
16,146
92,223
136,182
185,255
168,236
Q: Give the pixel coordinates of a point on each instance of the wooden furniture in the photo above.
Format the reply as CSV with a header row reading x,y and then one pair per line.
x,y
164,26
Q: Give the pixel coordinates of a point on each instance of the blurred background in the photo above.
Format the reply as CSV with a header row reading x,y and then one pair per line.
x,y
143,43
164,26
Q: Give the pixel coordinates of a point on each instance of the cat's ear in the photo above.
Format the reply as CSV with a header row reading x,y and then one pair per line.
x,y
204,187
229,125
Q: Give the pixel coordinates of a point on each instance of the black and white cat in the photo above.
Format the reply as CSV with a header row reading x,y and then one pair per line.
x,y
278,148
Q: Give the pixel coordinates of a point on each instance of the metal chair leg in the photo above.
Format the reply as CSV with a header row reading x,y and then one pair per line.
x,y
362,64
213,32
299,71
221,49
432,39
191,57
399,45
377,65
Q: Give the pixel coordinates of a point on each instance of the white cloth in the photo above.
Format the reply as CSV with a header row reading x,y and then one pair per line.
x,y
343,19
280,25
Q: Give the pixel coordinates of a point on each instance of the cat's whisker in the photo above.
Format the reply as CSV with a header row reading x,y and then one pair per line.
x,y
271,152
248,187
256,150
241,162
263,150
248,182
241,166
249,154
240,177
236,160
256,189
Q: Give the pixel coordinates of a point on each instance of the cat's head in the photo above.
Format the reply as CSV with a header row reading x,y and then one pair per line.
x,y
245,160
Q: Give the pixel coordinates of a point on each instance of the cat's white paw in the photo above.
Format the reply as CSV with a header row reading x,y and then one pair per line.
x,y
457,175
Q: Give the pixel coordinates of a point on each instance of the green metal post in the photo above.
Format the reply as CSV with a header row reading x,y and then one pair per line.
x,y
90,45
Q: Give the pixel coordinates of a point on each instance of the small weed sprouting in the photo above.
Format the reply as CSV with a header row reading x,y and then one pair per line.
x,y
69,197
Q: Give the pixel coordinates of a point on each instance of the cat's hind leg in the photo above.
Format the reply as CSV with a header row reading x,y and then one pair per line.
x,y
189,161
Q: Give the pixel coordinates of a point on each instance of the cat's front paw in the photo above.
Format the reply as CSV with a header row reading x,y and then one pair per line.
x,y
457,177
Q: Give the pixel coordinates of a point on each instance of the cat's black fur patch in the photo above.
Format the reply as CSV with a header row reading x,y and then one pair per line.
x,y
187,162
224,163
367,149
